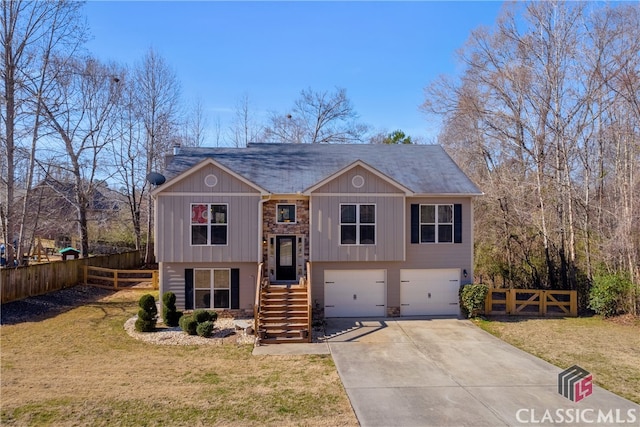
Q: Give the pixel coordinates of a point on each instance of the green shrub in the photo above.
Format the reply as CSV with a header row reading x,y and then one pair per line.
x,y
472,299
201,316
147,315
610,295
213,316
189,325
148,303
205,329
170,315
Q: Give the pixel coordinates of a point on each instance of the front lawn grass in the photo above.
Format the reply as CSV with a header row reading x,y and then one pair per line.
x,y
82,368
608,348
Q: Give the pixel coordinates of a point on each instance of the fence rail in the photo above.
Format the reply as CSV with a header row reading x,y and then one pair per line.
x,y
531,302
22,282
97,276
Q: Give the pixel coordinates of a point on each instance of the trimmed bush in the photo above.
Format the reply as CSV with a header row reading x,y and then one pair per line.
x,y
472,299
189,325
205,329
170,315
202,315
147,315
610,295
213,316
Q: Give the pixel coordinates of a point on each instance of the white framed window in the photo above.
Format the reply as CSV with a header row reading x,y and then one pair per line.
x,y
357,224
285,213
212,288
436,223
209,224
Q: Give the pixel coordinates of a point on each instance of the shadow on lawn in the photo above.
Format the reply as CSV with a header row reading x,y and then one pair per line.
x,y
41,307
523,318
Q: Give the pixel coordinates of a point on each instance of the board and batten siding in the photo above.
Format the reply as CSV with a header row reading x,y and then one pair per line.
x,y
443,255
325,218
418,255
173,218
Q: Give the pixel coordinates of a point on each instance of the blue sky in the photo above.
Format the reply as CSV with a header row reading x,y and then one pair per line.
x,y
382,53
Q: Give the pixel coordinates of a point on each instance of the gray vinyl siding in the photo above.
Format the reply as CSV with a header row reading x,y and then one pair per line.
x,y
195,182
372,183
173,218
442,255
174,231
172,279
325,218
418,256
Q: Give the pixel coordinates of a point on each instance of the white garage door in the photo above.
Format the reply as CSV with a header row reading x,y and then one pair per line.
x,y
432,292
354,293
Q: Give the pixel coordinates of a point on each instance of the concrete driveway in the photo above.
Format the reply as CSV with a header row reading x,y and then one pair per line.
x,y
448,372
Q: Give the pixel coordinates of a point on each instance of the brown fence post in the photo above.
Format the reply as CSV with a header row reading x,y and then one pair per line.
x,y
487,303
573,302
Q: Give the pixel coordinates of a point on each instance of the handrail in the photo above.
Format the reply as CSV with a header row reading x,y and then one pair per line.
x,y
256,304
309,299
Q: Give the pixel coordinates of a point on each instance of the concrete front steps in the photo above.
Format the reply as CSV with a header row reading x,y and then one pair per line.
x,y
284,315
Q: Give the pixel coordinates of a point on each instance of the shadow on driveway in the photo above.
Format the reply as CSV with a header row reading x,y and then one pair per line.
x,y
448,372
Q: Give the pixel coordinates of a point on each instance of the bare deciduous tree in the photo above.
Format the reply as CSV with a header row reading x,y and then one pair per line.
x,y
244,128
157,101
79,110
316,118
32,32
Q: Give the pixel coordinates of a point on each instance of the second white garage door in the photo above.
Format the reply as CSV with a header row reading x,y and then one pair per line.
x,y
354,293
432,292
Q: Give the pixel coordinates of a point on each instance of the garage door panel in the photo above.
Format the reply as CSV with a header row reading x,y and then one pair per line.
x,y
431,292
354,293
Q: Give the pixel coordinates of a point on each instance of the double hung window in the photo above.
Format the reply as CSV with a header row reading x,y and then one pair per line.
x,y
212,288
357,224
436,223
209,224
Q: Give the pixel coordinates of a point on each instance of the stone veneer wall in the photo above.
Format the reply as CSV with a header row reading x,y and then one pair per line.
x,y
271,226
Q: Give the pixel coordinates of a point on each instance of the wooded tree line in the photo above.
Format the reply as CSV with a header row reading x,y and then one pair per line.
x,y
545,117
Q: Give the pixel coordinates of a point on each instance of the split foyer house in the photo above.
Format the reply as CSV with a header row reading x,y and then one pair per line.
x,y
346,230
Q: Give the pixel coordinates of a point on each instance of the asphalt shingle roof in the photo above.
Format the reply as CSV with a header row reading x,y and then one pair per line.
x,y
292,168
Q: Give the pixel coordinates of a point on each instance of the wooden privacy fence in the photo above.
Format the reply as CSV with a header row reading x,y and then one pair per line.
x,y
22,282
531,302
113,279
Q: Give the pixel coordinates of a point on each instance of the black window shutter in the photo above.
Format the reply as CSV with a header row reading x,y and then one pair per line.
x,y
188,289
457,223
415,223
235,288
